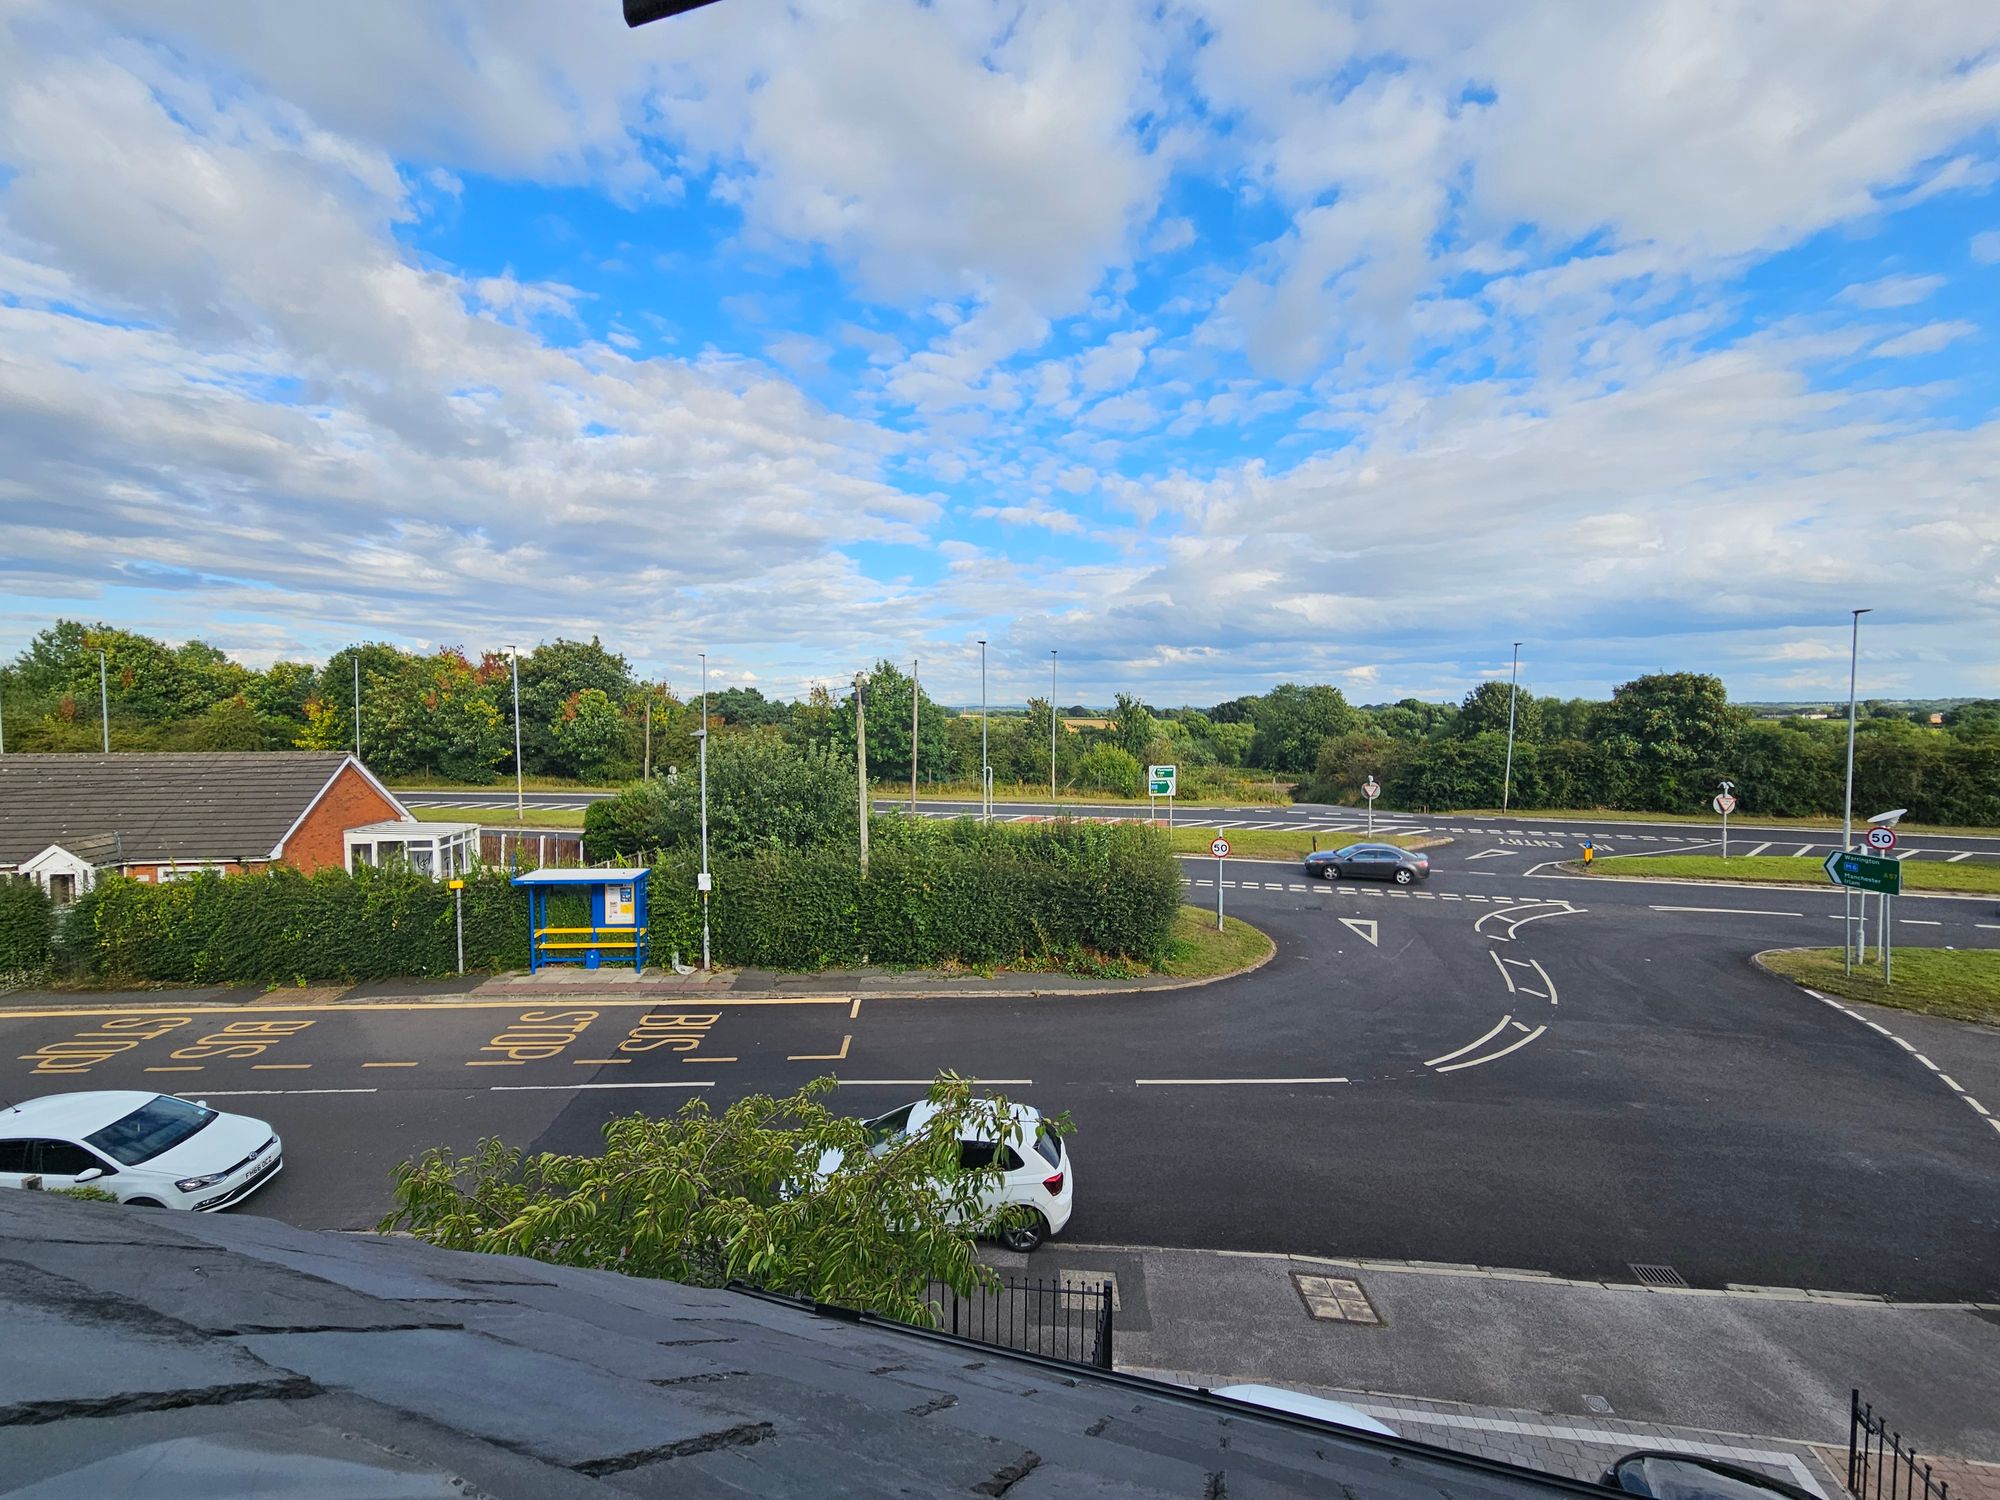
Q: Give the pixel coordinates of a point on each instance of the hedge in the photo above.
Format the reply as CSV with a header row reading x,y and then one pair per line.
x,y
27,922
936,893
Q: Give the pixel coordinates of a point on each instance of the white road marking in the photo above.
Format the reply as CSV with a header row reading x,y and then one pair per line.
x,y
261,1093
1732,911
1208,1082
1916,922
921,1083
1952,859
538,1088
1981,1109
1473,1062
1363,928
1498,1027
1486,854
1494,954
1802,851
1757,851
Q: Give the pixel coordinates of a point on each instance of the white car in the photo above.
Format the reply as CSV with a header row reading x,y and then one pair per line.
x,y
1034,1165
1299,1404
152,1150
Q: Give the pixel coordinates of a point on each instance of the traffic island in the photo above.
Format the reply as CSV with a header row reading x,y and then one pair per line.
x,y
1967,877
1960,984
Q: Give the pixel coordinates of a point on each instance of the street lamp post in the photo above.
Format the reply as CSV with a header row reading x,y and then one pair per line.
x,y
357,707
520,797
861,762
916,702
1513,696
985,767
104,699
1847,815
704,882
1052,724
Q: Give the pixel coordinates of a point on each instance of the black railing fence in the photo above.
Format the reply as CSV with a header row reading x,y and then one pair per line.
x,y
1879,1467
1057,1319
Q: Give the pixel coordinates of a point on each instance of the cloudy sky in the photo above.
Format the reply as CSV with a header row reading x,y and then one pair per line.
x,y
1214,344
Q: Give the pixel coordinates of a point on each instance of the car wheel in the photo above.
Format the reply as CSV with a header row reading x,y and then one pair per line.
x,y
1329,872
1024,1237
1404,875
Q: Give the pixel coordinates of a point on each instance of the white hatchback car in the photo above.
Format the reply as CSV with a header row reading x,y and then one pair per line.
x,y
1034,1165
152,1150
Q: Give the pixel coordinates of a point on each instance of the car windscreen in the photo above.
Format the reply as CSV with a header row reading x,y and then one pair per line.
x,y
157,1126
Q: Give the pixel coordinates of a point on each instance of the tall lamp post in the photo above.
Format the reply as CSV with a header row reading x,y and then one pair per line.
x,y
916,703
1052,724
861,762
985,767
357,706
1847,814
704,882
104,699
520,797
1513,696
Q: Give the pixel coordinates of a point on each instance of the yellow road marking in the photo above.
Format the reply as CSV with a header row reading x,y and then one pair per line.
x,y
840,1056
277,1067
526,1002
854,1010
389,1065
707,1059
491,1062
190,1068
600,1062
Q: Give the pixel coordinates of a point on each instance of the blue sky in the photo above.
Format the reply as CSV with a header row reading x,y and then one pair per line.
x,y
1213,345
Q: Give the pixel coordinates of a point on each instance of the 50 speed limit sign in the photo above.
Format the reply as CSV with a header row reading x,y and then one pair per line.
x,y
1882,838
1219,848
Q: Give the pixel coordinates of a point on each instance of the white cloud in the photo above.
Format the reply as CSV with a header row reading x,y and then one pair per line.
x,y
1890,291
1986,247
1925,340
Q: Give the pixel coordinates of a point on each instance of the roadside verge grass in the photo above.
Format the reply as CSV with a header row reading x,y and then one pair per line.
x,y
1769,869
500,817
1741,818
1198,951
1961,984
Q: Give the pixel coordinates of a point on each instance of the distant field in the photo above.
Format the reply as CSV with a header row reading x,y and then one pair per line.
x,y
500,817
1961,984
1918,875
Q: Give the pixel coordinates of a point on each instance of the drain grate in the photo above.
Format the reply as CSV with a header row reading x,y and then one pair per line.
x,y
1335,1299
1657,1275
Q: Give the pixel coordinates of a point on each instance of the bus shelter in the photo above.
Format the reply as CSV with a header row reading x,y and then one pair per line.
x,y
617,930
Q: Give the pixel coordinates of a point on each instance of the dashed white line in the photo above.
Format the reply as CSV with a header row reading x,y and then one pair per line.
x,y
1936,1071
1211,1082
1731,911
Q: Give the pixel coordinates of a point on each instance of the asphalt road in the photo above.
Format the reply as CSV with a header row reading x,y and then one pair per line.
x,y
1500,1068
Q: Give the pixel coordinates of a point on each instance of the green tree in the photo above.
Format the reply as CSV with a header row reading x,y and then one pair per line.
x,y
434,716
1485,711
747,706
1671,729
1108,768
1131,726
781,1193
888,701
588,732
551,675
763,793
1294,721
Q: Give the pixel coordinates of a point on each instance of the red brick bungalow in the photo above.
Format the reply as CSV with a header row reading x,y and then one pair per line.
x,y
66,818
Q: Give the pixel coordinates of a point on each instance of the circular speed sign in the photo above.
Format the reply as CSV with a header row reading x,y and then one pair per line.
x,y
1219,848
1882,838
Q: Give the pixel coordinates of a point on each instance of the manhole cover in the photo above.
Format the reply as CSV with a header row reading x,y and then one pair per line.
x,y
1335,1299
1657,1275
1079,1287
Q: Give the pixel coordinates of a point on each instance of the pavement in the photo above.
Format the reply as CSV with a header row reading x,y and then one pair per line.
x,y
1562,1374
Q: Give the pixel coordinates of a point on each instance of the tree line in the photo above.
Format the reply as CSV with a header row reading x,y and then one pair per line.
x,y
1661,742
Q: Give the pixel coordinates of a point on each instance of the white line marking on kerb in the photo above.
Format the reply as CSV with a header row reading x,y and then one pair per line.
x,y
1936,1071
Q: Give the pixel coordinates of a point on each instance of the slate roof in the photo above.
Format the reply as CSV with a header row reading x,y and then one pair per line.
x,y
189,1348
217,805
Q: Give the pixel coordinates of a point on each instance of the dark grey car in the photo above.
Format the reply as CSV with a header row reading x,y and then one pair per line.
x,y
1369,862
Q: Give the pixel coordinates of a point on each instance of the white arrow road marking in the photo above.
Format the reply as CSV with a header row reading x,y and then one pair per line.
x,y
1498,1027
1362,928
1486,854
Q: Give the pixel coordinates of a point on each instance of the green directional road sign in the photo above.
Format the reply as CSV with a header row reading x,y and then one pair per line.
x,y
1864,872
1160,780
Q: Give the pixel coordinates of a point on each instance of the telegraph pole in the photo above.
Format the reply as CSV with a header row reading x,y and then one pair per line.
x,y
861,761
916,699
104,699
1513,695
1052,724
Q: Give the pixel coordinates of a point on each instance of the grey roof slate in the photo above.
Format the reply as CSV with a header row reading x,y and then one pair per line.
x,y
220,805
190,1348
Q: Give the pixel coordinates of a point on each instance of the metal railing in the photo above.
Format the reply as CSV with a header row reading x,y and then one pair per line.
x,y
1879,1467
1055,1319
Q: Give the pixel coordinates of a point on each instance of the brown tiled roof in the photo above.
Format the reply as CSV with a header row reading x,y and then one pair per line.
x,y
216,805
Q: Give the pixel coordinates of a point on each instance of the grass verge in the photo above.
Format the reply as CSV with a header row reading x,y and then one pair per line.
x,y
1961,984
1198,951
500,817
1278,843
1742,818
1256,794
1772,869
504,784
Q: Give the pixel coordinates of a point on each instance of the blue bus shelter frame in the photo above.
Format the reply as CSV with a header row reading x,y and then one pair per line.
x,y
602,941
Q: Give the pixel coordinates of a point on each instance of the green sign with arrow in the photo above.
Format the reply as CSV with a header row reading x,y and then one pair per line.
x,y
1864,872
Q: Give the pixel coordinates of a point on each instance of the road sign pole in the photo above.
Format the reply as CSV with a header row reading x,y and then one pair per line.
x,y
1218,895
1725,835
1888,941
